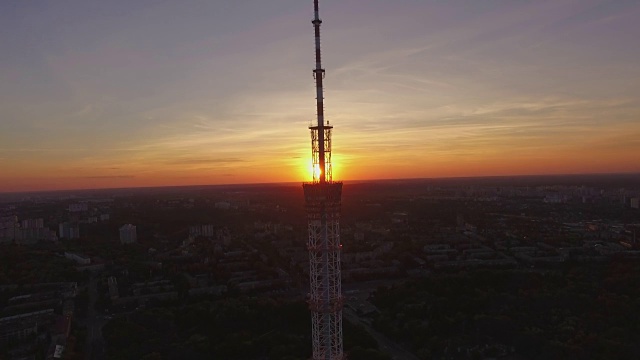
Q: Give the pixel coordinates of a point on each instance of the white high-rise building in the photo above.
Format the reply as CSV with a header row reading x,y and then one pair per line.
x,y
69,231
128,234
32,223
78,207
8,222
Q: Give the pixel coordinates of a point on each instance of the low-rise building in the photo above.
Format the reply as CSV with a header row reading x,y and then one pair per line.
x,y
78,258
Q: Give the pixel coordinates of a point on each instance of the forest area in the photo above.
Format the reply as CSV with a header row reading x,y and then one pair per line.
x,y
581,311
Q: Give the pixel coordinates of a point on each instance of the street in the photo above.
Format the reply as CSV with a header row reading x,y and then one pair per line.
x,y
94,346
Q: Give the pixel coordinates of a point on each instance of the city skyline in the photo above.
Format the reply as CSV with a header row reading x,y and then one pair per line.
x,y
124,95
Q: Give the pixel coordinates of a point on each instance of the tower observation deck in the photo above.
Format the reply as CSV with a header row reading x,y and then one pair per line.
x,y
322,199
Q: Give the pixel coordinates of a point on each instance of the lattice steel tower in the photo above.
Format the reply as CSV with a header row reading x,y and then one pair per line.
x,y
322,197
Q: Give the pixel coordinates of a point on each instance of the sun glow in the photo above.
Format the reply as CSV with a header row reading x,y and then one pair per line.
x,y
305,168
314,171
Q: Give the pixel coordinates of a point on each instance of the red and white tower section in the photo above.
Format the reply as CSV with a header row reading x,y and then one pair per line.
x,y
322,197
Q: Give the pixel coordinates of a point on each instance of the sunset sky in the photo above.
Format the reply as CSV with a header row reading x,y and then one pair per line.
x,y
128,93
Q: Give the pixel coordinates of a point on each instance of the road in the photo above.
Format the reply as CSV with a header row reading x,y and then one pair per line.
x,y
385,344
94,346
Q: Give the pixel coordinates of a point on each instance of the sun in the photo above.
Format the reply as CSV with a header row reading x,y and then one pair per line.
x,y
314,171
308,170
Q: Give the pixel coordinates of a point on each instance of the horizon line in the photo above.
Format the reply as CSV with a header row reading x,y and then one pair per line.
x,y
297,182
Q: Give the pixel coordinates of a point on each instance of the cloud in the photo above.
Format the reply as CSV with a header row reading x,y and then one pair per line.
x,y
109,177
189,161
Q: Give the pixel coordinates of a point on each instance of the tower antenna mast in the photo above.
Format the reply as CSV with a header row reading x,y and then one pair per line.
x,y
318,74
323,203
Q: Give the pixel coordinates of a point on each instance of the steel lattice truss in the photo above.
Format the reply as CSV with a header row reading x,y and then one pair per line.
x,y
325,292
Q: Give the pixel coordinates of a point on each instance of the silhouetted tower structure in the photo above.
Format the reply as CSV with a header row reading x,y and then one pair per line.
x,y
322,197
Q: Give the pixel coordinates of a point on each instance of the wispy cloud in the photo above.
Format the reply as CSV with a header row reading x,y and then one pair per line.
x,y
191,161
109,177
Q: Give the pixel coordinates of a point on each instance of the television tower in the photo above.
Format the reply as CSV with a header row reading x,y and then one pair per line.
x,y
322,198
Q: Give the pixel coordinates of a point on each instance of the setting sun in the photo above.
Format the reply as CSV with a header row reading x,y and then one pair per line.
x,y
314,171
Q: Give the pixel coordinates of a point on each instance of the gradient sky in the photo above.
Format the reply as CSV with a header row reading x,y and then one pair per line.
x,y
143,93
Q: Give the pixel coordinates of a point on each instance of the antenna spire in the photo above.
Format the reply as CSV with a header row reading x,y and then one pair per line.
x,y
318,74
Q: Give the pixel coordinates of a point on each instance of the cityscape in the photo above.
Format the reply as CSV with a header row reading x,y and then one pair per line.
x,y
513,268
478,199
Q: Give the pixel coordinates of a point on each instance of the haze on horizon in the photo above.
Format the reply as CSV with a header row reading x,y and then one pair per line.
x,y
145,93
